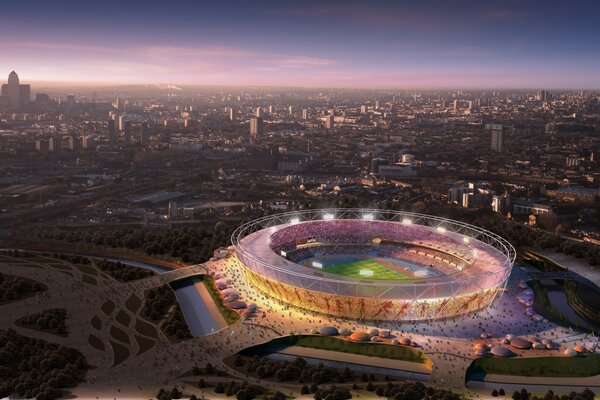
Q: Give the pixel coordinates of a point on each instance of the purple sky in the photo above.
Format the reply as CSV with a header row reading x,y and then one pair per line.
x,y
385,44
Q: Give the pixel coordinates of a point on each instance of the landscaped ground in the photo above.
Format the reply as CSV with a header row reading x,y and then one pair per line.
x,y
395,352
366,269
583,366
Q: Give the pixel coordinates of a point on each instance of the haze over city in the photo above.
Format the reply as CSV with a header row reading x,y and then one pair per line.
x,y
375,44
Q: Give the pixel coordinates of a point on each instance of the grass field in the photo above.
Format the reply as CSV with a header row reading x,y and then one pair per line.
x,y
537,366
381,350
368,269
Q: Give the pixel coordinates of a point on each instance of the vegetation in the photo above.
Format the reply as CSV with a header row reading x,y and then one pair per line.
x,y
412,391
36,368
583,366
13,288
188,244
52,321
156,307
297,370
123,272
523,394
230,316
345,346
242,391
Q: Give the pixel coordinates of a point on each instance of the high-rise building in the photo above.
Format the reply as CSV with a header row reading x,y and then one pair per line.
x,y
497,136
455,105
231,114
271,109
112,130
256,127
144,134
329,121
377,104
17,95
259,112
363,109
121,123
127,132
291,110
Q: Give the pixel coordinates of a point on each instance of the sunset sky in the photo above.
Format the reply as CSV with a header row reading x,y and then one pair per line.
x,y
399,44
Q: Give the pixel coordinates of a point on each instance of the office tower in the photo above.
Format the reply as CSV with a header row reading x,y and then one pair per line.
x,y
231,114
271,109
377,104
497,136
291,110
363,109
329,121
259,112
112,131
455,105
71,98
17,95
305,114
256,127
144,133
127,132
121,123
119,104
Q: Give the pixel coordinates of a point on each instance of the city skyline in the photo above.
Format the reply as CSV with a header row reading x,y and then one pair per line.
x,y
465,44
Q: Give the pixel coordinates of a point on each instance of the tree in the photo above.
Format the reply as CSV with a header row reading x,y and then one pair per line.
x,y
370,387
494,393
220,388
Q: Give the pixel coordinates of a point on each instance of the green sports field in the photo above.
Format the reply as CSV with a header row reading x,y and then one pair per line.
x,y
366,269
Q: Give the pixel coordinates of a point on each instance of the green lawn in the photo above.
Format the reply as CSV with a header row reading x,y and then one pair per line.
x,y
538,366
382,350
353,269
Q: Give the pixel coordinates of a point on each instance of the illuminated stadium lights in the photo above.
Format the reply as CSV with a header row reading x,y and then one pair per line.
x,y
366,272
368,217
283,253
328,217
441,229
407,221
294,220
317,264
466,239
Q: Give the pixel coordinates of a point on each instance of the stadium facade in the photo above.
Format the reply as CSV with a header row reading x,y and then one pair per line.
x,y
438,268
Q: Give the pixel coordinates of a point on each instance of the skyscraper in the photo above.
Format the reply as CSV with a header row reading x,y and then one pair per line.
x,y
497,136
329,121
144,133
305,114
256,127
17,95
259,112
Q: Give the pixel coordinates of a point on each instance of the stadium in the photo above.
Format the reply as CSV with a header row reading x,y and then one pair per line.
x,y
374,264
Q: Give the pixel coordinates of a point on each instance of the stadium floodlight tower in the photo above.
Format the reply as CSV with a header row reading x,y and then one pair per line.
x,y
368,216
328,216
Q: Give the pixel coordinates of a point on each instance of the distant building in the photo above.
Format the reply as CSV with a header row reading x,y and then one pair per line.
x,y
259,112
501,204
17,95
329,121
144,133
256,127
497,137
305,114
